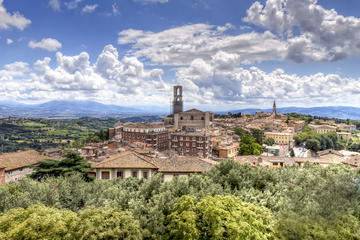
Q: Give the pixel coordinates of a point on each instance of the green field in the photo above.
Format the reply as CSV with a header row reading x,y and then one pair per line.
x,y
31,133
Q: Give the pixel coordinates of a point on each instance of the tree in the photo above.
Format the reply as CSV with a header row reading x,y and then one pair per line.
x,y
312,144
38,222
269,141
72,163
220,217
258,135
249,146
107,223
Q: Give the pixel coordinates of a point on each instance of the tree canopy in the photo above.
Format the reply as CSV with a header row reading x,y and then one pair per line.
x,y
72,163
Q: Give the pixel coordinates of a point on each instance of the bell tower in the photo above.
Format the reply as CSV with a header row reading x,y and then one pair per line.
x,y
177,101
274,108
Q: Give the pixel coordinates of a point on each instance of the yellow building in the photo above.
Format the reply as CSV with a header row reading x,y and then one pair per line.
x,y
228,151
280,138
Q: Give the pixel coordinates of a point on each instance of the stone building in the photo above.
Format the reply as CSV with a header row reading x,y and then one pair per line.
x,y
280,138
322,129
154,134
123,165
192,119
177,100
17,165
196,143
296,124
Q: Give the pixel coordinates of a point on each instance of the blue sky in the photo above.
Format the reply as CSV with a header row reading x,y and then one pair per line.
x,y
227,54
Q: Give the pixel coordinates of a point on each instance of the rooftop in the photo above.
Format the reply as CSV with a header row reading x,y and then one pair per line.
x,y
15,160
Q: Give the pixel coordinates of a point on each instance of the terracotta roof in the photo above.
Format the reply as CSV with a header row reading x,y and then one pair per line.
x,y
125,160
20,159
193,110
183,164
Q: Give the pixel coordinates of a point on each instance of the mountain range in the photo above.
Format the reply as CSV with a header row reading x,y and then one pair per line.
x,y
73,109
341,112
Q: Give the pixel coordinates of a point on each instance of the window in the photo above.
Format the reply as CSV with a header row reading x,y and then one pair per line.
x,y
191,117
187,149
105,175
194,144
181,118
120,174
275,163
181,143
145,175
202,118
134,174
187,144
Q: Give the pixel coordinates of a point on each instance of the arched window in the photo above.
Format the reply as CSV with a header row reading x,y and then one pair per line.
x,y
202,118
181,118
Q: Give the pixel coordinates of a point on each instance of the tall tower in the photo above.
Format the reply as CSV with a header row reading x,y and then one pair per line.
x,y
177,102
274,108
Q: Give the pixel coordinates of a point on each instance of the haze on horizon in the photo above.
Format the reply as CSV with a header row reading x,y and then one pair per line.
x,y
227,54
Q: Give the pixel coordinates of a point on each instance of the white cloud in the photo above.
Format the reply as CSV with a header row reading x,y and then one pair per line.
x,y
209,82
126,81
181,45
48,44
150,1
9,41
89,8
109,79
324,35
8,20
73,4
55,5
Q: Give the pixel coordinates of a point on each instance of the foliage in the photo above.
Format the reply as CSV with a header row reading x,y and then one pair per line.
x,y
307,204
318,142
249,146
219,217
37,222
107,223
40,222
72,163
269,141
258,135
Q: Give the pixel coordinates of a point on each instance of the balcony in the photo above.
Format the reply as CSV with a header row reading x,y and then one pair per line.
x,y
174,146
200,141
174,140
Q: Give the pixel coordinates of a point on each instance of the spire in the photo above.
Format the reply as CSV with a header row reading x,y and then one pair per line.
x,y
274,108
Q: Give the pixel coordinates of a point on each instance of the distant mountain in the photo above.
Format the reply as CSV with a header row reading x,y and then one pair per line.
x,y
65,109
331,112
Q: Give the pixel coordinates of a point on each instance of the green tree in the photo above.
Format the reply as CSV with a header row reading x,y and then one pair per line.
x,y
312,144
269,141
107,223
38,222
220,217
72,163
249,146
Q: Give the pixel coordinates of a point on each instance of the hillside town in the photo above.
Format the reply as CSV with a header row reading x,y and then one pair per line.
x,y
192,141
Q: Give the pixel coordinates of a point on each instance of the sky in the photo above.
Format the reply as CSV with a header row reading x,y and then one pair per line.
x,y
227,54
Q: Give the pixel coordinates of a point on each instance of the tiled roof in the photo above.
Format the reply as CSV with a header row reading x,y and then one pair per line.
x,y
125,160
183,164
20,159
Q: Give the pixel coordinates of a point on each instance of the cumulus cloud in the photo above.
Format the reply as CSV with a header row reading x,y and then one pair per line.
x,y
181,45
55,5
212,83
9,41
8,20
89,8
324,34
109,79
48,44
